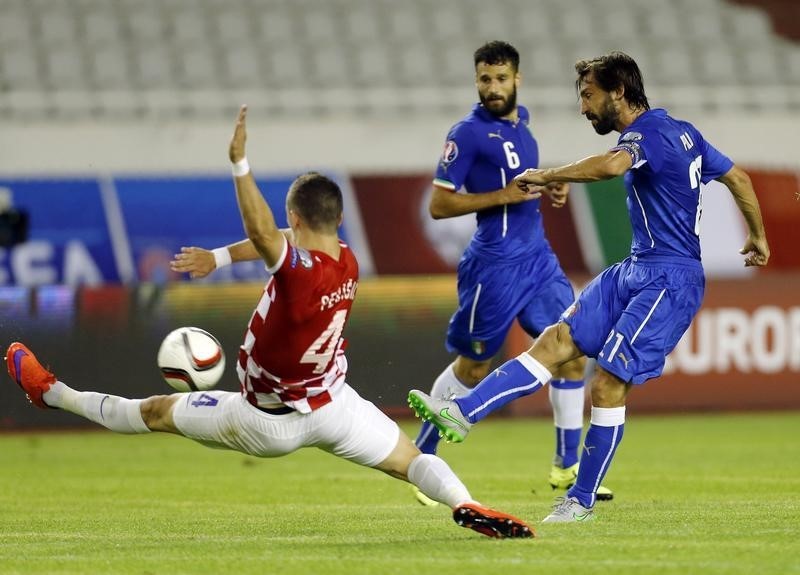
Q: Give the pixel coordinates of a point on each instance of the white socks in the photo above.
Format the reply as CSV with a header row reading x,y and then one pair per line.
x,y
115,413
567,407
436,480
447,385
608,416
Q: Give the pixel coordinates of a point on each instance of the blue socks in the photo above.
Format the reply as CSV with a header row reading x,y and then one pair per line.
x,y
599,446
567,399
567,441
517,377
428,439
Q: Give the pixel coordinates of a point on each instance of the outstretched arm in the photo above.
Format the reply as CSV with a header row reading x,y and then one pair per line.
x,y
199,262
257,217
599,167
755,250
446,203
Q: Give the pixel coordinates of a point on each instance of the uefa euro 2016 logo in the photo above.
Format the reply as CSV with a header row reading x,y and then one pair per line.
x,y
450,152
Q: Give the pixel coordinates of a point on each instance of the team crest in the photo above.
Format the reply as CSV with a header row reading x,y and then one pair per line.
x,y
450,152
478,347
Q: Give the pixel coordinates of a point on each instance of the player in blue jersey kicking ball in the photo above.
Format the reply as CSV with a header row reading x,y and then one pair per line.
x,y
508,270
633,314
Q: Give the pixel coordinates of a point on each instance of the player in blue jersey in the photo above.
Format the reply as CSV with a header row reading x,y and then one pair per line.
x,y
633,314
508,270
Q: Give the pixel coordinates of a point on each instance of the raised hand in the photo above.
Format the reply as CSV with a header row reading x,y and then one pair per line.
x,y
236,150
196,262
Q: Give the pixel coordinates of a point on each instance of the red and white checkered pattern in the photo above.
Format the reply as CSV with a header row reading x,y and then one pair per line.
x,y
293,352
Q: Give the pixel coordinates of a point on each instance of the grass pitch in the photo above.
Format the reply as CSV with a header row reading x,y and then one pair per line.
x,y
694,494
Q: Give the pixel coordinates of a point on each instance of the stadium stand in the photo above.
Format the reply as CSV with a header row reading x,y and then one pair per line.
x,y
133,58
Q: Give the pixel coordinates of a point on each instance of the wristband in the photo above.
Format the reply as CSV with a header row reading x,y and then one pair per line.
x,y
241,168
222,257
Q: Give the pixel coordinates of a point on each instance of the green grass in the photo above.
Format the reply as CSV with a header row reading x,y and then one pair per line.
x,y
694,494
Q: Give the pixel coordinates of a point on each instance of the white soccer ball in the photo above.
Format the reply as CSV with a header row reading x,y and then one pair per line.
x,y
191,359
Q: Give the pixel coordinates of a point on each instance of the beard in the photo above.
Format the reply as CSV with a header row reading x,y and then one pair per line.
x,y
606,120
500,108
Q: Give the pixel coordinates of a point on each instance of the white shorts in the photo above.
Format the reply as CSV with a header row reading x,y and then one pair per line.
x,y
349,426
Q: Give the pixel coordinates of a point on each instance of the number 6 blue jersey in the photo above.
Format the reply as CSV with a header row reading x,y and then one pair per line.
x,y
483,153
665,202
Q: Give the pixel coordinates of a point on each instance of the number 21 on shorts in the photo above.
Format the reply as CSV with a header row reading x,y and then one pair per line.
x,y
616,340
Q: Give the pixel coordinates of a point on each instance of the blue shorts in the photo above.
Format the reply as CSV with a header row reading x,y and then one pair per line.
x,y
491,295
634,313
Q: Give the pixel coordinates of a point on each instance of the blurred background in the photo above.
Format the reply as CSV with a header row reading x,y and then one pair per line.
x,y
115,117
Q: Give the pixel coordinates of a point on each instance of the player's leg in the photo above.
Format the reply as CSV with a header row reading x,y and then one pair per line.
x,y
450,383
528,372
566,394
659,304
490,296
523,375
44,390
551,294
433,477
602,439
355,429
476,331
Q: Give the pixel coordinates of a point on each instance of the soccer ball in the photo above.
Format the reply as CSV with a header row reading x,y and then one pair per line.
x,y
191,359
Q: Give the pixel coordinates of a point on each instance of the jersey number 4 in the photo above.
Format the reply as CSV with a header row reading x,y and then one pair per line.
x,y
328,340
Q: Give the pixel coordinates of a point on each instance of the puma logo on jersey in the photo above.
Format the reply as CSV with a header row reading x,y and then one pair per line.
x,y
496,134
624,359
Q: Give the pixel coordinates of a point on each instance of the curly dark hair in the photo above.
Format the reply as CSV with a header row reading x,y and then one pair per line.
x,y
497,52
612,71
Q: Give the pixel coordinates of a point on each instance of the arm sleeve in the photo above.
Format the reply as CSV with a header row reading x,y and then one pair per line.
x,y
645,148
715,163
458,156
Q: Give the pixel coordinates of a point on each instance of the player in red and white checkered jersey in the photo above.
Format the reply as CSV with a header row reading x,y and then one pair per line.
x,y
309,297
291,365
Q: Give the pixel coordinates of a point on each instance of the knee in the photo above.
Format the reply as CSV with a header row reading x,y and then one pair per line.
x,y
156,412
555,346
572,370
400,459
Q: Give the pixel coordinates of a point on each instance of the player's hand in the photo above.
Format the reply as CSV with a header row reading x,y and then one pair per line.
x,y
515,194
755,251
236,149
557,192
530,179
196,262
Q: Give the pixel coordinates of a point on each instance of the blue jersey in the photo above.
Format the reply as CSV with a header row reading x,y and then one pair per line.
x,y
670,161
484,153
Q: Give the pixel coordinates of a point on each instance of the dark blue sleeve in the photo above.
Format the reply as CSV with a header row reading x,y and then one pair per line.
x,y
457,158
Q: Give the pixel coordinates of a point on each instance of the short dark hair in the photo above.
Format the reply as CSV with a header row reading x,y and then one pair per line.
x,y
317,200
497,52
612,71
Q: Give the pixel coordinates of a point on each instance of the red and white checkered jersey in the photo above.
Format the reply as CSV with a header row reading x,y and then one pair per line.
x,y
293,350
